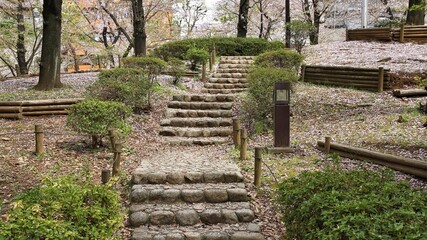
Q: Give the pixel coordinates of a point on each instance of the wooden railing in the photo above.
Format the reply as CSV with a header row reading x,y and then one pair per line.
x,y
373,79
405,33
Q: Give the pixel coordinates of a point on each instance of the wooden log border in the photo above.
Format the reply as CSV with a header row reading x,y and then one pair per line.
x,y
18,109
406,165
406,33
373,79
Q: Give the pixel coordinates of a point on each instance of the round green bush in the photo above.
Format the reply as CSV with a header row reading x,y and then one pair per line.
x,y
283,58
96,117
152,65
359,204
176,68
63,209
258,104
131,86
196,56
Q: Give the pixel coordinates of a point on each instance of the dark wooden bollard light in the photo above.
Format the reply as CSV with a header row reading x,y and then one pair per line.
x,y
258,169
105,176
236,132
282,92
39,139
244,144
117,158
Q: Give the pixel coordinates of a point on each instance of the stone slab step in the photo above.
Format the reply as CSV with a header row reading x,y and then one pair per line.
x,y
190,193
201,105
228,80
237,57
174,175
186,113
196,122
185,141
223,91
229,75
239,231
225,85
203,98
188,214
195,132
234,65
232,70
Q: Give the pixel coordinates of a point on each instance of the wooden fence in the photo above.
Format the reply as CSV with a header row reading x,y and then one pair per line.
x,y
406,33
373,79
19,109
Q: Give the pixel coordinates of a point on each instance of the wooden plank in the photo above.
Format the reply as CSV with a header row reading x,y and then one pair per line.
x,y
40,113
345,68
41,102
44,108
10,109
342,76
11,115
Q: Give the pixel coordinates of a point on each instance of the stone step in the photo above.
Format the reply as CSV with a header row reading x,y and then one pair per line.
x,y
176,175
185,113
188,214
229,75
190,193
237,57
236,61
201,141
195,132
203,98
196,122
238,231
228,80
225,85
223,91
232,70
234,65
201,105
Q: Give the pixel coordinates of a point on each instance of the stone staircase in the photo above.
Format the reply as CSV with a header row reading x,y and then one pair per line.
x,y
187,193
206,118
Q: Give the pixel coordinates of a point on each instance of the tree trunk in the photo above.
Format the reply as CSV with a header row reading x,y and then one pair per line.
x,y
314,35
416,16
242,25
50,64
20,44
139,34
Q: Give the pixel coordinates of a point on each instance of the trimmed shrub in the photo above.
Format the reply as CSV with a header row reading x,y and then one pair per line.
x,y
96,117
176,68
130,86
338,204
63,209
152,65
300,31
282,58
258,104
223,46
196,56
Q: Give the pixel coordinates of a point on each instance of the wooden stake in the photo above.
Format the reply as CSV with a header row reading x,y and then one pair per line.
x,y
117,158
244,146
236,132
380,79
113,137
204,71
303,72
327,144
210,62
213,54
258,170
402,34
38,130
105,176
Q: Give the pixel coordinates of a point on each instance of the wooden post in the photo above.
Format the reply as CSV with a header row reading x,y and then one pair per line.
x,y
346,35
213,54
380,79
99,62
211,62
236,132
117,158
204,71
402,33
244,146
303,72
258,170
105,176
327,144
113,137
39,139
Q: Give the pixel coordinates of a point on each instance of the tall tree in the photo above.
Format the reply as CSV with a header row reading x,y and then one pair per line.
x,y
313,12
242,24
50,63
188,13
416,12
271,13
139,34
